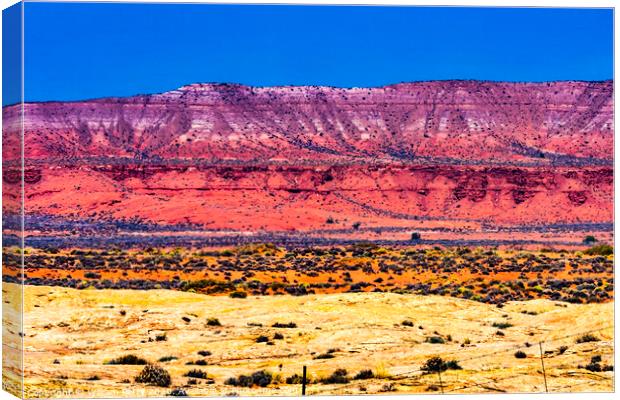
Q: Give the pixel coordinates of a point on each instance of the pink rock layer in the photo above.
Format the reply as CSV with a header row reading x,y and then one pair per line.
x,y
291,158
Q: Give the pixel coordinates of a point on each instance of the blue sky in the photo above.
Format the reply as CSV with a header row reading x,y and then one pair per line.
x,y
79,51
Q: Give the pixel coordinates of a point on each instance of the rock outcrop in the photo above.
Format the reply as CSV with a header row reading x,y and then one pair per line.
x,y
458,120
291,158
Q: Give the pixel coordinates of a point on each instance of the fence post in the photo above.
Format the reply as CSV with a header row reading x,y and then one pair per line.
x,y
542,363
303,382
440,382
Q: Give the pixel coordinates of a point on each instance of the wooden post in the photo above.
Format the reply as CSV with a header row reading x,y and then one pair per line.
x,y
303,382
542,363
440,382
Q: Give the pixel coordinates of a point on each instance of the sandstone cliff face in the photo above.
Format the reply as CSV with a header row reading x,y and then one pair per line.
x,y
460,120
452,153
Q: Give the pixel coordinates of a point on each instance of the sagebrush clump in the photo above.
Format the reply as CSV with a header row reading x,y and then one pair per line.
x,y
154,375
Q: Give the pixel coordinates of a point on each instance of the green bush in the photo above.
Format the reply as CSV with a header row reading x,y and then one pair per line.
x,y
600,250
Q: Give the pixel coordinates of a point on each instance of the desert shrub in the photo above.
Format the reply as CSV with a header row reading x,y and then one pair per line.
x,y
388,387
258,378
562,349
364,374
294,379
595,365
161,337
502,325
204,353
437,364
435,340
407,323
453,364
520,354
262,339
278,336
213,322
600,250
237,294
196,373
588,337
154,375
589,240
178,392
434,364
338,376
283,325
168,358
128,359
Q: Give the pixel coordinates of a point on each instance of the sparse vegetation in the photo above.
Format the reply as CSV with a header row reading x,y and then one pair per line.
x,y
260,378
196,373
284,325
437,364
588,337
154,375
600,250
520,354
238,294
502,325
338,376
364,374
177,392
128,359
262,339
435,340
